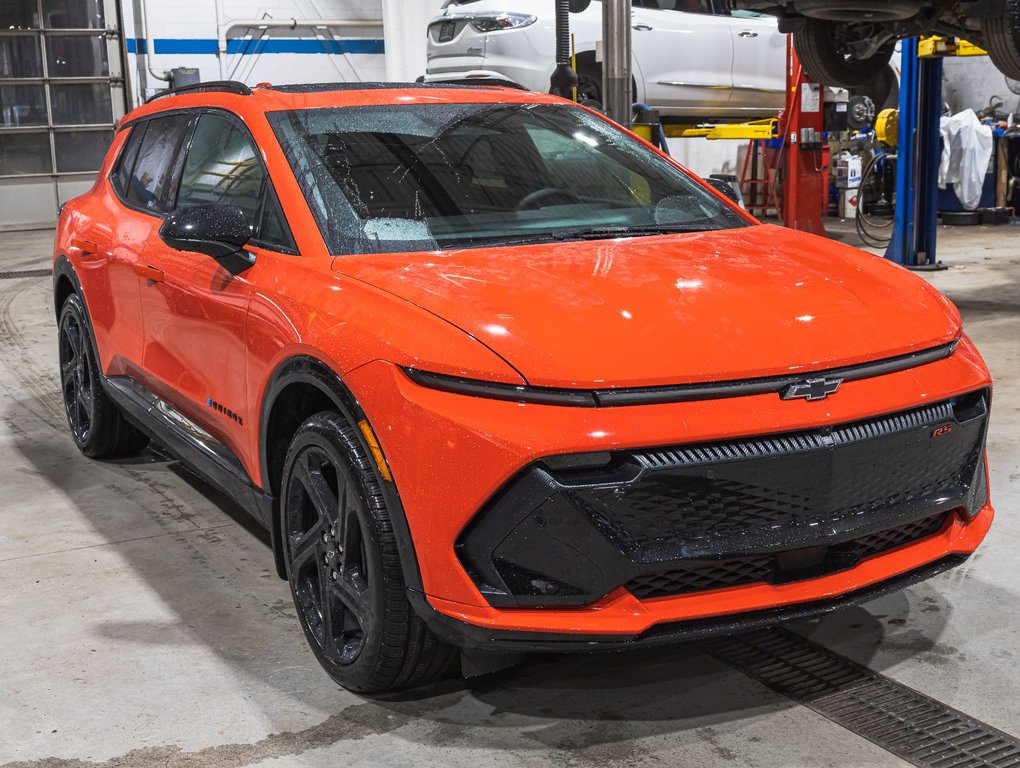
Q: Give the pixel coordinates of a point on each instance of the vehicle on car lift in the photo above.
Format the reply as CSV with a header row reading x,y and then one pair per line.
x,y
848,42
692,59
499,377
689,59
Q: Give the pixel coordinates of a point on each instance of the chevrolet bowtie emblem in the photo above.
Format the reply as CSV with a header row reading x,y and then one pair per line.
x,y
811,389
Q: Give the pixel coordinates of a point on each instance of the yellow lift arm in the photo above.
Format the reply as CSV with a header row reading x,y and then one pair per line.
x,y
933,47
758,129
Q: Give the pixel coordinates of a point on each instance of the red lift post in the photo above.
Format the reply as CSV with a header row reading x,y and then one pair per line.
x,y
798,193
805,156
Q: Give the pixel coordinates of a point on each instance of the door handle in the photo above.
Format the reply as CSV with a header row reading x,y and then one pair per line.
x,y
151,274
87,247
747,33
642,27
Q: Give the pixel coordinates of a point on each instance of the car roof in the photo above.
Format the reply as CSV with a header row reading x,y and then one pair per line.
x,y
240,99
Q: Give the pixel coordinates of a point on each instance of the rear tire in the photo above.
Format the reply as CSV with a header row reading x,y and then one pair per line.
x,y
97,427
344,568
1002,39
822,51
589,89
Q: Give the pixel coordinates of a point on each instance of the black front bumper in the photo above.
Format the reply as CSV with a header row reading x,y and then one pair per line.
x,y
664,522
473,638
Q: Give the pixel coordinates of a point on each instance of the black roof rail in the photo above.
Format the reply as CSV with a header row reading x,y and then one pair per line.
x,y
222,86
467,81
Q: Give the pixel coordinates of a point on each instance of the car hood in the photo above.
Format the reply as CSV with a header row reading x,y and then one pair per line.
x,y
678,309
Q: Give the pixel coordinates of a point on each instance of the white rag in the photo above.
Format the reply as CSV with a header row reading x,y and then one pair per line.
x,y
966,152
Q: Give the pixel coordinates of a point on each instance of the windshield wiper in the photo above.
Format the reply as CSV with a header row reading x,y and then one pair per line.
x,y
586,233
599,233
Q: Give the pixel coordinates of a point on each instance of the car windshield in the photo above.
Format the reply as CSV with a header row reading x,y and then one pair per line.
x,y
423,177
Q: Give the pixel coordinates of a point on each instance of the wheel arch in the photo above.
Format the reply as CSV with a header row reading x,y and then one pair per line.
x,y
298,388
65,282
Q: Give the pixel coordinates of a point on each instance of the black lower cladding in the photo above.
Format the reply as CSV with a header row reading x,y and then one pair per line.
x,y
668,521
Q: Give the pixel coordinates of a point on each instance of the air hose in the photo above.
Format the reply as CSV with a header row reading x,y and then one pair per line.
x,y
563,77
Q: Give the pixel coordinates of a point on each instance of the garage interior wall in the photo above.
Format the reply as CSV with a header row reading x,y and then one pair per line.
x,y
971,82
69,69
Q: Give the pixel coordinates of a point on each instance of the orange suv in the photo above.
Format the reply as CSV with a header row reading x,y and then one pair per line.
x,y
499,377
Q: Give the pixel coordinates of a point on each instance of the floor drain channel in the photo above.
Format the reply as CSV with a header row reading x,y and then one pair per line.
x,y
25,273
912,726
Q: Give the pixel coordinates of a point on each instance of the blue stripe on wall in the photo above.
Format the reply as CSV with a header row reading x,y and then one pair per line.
x,y
266,45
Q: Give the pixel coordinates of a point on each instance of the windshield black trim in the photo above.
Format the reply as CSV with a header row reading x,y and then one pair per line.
x,y
612,398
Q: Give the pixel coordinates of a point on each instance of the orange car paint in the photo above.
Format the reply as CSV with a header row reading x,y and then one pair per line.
x,y
631,312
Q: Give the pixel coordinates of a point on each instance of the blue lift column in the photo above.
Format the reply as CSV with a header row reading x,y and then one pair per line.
x,y
917,165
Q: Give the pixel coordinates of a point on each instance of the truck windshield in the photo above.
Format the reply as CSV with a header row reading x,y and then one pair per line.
x,y
424,177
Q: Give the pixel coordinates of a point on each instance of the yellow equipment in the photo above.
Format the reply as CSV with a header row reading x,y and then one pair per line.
x,y
887,127
932,47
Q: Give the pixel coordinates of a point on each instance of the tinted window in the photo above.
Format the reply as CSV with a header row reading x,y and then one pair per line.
x,y
128,155
425,176
222,167
152,176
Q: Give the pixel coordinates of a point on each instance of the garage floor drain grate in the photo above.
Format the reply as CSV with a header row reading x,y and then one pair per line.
x,y
918,729
25,273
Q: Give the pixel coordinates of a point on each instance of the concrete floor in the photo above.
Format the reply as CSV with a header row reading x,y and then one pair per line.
x,y
141,623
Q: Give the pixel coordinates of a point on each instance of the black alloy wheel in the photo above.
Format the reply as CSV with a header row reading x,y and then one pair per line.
x,y
98,428
344,566
76,381
327,556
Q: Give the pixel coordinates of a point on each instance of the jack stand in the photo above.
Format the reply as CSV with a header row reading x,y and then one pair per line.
x,y
920,148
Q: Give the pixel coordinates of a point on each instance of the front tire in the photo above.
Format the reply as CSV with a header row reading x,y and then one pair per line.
x,y
1002,39
344,568
823,52
98,428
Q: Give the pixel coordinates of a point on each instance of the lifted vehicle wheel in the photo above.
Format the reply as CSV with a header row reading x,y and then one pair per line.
x,y
97,426
589,89
344,568
1002,39
824,49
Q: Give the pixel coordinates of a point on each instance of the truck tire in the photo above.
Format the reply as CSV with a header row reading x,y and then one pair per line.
x,y
1002,39
820,48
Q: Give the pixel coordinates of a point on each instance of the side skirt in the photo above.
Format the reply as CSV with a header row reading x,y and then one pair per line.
x,y
201,452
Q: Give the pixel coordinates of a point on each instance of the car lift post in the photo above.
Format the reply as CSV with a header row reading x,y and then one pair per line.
x,y
917,164
804,166
616,55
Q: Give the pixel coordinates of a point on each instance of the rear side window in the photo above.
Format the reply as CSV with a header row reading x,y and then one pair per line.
x,y
152,176
222,167
129,154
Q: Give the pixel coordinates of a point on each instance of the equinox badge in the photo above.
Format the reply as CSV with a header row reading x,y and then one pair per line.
x,y
811,389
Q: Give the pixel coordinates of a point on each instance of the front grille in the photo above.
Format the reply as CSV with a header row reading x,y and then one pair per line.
x,y
726,498
754,570
569,530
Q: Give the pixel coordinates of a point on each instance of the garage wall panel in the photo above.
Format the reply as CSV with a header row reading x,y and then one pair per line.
x,y
187,32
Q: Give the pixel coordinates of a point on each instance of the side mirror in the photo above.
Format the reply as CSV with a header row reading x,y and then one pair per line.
x,y
219,231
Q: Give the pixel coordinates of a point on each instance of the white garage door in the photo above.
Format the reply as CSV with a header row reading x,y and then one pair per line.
x,y
61,93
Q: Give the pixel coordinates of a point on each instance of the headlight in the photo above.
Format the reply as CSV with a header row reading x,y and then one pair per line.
x,y
494,22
